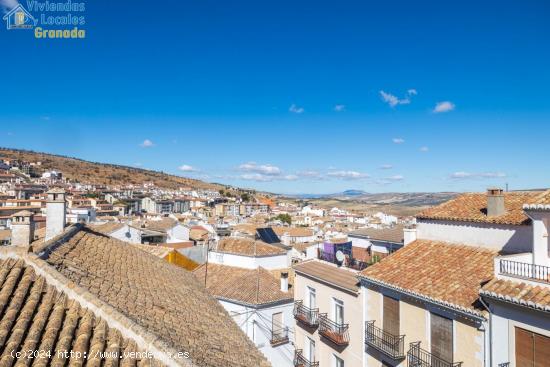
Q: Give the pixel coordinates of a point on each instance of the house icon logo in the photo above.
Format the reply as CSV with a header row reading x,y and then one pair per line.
x,y
19,18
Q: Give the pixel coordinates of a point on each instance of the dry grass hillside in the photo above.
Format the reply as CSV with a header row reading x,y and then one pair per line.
x,y
103,173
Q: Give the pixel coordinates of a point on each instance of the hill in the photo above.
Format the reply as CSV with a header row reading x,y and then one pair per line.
x,y
104,173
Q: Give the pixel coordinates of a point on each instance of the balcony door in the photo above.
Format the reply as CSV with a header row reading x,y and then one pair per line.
x,y
391,316
338,311
311,300
309,349
532,349
442,337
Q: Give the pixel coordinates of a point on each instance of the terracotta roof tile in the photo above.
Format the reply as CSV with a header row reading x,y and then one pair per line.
x,y
158,296
541,201
473,208
250,286
293,231
534,296
394,234
36,316
340,277
448,273
247,246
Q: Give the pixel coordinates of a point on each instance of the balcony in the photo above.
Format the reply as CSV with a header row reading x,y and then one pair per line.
x,y
301,361
418,357
337,333
389,344
279,336
306,315
524,270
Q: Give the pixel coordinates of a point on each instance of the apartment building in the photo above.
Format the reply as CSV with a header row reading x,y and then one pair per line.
x,y
518,297
422,304
328,313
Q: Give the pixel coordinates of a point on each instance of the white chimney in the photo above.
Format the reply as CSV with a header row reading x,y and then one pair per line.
x,y
541,245
495,202
56,207
22,229
284,281
409,235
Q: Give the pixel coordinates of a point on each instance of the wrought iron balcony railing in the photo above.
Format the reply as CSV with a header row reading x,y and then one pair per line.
x,y
418,357
279,336
525,270
337,333
301,361
306,315
389,344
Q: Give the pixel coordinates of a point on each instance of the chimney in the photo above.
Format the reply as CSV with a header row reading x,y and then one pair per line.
x,y
55,213
284,281
409,235
495,202
22,229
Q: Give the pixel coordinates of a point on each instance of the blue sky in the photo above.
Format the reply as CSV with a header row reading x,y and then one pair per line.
x,y
294,97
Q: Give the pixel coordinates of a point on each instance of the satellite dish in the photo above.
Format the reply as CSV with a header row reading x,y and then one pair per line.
x,y
340,256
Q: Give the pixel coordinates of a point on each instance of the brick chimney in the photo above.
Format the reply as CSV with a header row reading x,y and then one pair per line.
x,y
495,202
22,229
56,207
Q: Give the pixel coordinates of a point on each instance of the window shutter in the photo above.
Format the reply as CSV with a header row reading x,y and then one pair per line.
x,y
442,337
391,315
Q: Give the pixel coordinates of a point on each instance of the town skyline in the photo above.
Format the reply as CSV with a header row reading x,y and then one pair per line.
x,y
260,96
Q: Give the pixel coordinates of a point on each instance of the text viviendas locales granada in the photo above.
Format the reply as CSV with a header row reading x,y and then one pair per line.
x,y
59,19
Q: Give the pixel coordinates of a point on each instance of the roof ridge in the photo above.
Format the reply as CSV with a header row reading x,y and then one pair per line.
x,y
145,339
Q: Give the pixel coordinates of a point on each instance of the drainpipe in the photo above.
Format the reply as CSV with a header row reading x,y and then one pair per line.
x,y
490,331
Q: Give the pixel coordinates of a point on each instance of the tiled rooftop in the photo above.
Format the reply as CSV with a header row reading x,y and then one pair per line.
x,y
36,316
393,234
473,208
541,201
329,273
251,286
534,296
445,273
247,246
159,297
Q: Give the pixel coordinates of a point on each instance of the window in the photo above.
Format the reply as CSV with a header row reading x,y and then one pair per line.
x,y
309,349
338,362
338,316
312,301
277,325
442,337
532,349
391,315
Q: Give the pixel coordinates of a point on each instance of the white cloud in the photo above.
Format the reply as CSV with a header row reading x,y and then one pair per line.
x,y
295,109
348,175
424,149
309,174
461,175
386,166
398,140
393,101
265,169
256,177
290,177
395,178
147,144
444,106
45,118
187,168
339,108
